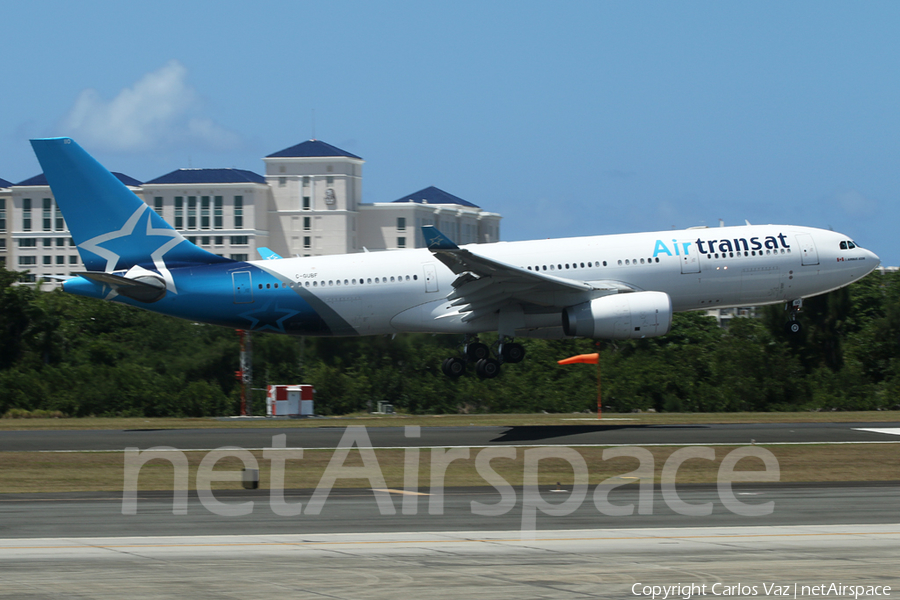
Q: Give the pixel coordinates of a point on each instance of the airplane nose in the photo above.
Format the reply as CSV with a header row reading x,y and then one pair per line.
x,y
874,257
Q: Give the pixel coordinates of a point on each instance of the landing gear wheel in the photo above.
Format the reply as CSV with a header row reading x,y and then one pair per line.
x,y
454,367
512,352
477,351
487,368
793,327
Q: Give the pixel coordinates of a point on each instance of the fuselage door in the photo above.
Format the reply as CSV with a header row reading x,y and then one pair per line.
x,y
431,282
243,287
690,263
808,253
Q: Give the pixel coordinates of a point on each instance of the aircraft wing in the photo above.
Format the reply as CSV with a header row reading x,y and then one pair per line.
x,y
484,285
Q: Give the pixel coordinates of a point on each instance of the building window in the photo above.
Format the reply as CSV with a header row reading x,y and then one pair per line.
x,y
239,257
192,212
329,180
27,242
217,212
307,224
2,243
26,214
57,216
158,205
220,240
306,181
48,242
307,242
60,260
282,181
401,242
73,260
48,260
60,242
28,260
204,241
204,212
238,212
401,223
192,239
179,212
306,203
2,214
239,240
48,214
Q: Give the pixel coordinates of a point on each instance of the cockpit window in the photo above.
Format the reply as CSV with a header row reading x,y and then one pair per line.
x,y
851,245
843,245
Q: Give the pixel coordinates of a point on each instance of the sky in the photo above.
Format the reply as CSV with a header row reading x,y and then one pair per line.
x,y
568,118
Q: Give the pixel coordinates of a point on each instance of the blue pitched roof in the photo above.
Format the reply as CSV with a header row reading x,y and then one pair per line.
x,y
209,176
433,195
42,180
311,149
4,183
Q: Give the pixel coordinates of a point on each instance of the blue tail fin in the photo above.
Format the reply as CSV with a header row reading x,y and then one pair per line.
x,y
113,228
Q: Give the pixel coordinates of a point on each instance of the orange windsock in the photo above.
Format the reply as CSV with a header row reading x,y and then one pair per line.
x,y
591,359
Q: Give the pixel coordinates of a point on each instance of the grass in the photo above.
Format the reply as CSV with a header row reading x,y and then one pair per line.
x,y
31,472
448,420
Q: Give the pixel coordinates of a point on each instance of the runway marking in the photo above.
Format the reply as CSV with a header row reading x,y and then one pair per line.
x,y
886,430
86,544
600,420
404,492
678,445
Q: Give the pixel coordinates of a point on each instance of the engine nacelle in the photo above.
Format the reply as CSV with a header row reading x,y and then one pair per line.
x,y
626,316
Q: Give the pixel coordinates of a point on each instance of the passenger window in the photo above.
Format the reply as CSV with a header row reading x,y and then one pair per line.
x,y
642,261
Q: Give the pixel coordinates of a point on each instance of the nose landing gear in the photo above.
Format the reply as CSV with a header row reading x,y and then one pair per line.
x,y
793,327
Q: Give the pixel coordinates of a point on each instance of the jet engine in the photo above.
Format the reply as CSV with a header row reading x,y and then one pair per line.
x,y
625,316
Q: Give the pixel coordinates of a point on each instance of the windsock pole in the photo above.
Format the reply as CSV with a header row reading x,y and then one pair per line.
x,y
588,359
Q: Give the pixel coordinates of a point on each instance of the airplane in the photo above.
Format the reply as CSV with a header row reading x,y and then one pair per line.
x,y
624,286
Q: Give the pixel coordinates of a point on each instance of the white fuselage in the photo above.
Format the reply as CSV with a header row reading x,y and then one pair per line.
x,y
405,290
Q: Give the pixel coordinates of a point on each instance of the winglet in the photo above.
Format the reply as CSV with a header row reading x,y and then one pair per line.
x,y
267,253
435,240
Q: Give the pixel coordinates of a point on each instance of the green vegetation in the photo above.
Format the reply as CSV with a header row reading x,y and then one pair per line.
x,y
83,357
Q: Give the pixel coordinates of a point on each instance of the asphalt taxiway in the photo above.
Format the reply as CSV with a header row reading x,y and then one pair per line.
x,y
591,433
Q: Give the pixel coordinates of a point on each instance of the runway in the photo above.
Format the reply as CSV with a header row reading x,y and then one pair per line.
x,y
359,511
395,437
735,562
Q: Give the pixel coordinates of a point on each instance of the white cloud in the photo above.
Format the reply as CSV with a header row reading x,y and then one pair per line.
x,y
160,110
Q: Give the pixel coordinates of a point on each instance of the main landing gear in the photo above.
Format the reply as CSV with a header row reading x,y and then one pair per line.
x,y
486,366
793,327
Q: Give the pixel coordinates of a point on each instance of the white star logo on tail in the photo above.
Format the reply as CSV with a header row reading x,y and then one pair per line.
x,y
169,238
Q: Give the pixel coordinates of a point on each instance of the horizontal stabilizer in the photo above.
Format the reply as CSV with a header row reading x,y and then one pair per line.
x,y
143,289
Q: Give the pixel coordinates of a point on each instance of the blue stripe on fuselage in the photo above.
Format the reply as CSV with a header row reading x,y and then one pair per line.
x,y
206,293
